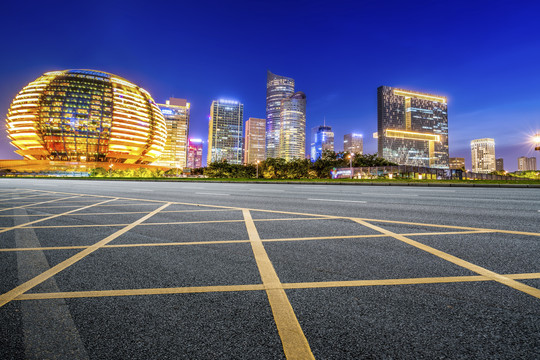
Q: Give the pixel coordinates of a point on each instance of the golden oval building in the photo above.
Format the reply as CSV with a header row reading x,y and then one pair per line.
x,y
86,116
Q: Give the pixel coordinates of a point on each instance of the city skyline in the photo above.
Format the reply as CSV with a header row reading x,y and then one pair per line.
x,y
486,77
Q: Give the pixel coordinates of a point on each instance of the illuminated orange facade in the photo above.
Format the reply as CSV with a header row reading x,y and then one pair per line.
x,y
86,116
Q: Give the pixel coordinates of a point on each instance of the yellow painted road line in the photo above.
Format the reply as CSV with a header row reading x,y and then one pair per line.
x,y
134,292
254,287
451,233
42,202
407,281
25,225
21,289
155,201
23,197
314,215
3,193
49,248
404,222
450,226
234,241
325,238
129,245
117,205
295,344
143,224
460,262
296,219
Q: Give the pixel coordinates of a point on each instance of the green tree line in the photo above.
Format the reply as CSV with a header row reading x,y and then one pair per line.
x,y
271,168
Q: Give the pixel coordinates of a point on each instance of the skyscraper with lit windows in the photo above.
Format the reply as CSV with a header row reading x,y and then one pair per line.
x,y
483,155
292,140
322,138
176,113
353,143
255,141
225,132
285,118
278,88
412,127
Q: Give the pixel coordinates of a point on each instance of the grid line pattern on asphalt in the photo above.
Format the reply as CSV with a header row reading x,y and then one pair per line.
x,y
293,339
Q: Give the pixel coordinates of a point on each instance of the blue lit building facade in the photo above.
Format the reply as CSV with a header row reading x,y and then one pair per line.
x,y
322,138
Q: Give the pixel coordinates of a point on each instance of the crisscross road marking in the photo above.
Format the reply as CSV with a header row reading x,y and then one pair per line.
x,y
295,344
455,260
21,289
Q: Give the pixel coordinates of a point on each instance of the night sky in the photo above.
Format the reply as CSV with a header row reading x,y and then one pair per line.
x,y
483,55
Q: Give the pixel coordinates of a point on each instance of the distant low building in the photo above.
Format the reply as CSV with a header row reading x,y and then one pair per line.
x,y
457,163
526,163
195,153
255,141
499,164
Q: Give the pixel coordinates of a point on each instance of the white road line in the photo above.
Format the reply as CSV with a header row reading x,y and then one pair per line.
x,y
434,190
381,194
351,201
218,194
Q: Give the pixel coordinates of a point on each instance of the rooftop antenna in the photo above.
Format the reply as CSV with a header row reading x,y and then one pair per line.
x,y
324,121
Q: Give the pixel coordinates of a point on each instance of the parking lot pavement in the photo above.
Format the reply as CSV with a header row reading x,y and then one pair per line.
x,y
96,276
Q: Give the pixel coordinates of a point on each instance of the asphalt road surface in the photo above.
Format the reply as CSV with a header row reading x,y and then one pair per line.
x,y
152,270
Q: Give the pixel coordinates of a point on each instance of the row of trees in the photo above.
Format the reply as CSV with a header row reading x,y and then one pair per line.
x,y
271,168
276,168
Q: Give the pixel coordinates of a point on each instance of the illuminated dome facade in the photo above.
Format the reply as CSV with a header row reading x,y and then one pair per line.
x,y
86,116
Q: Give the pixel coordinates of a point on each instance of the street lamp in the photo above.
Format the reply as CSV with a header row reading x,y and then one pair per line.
x,y
536,140
257,169
350,164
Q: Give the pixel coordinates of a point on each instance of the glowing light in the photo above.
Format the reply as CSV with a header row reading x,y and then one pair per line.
x,y
419,95
411,135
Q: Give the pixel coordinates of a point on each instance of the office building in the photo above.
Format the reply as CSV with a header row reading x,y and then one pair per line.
x,y
176,113
292,140
322,138
255,141
225,132
526,163
457,163
483,155
285,118
412,128
499,164
86,116
353,143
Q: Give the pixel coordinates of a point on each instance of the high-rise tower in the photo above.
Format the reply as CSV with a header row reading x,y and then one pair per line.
x,y
278,88
292,142
225,131
483,155
176,114
412,127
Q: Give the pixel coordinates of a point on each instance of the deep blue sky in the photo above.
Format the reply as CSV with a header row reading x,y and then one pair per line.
x,y
483,55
